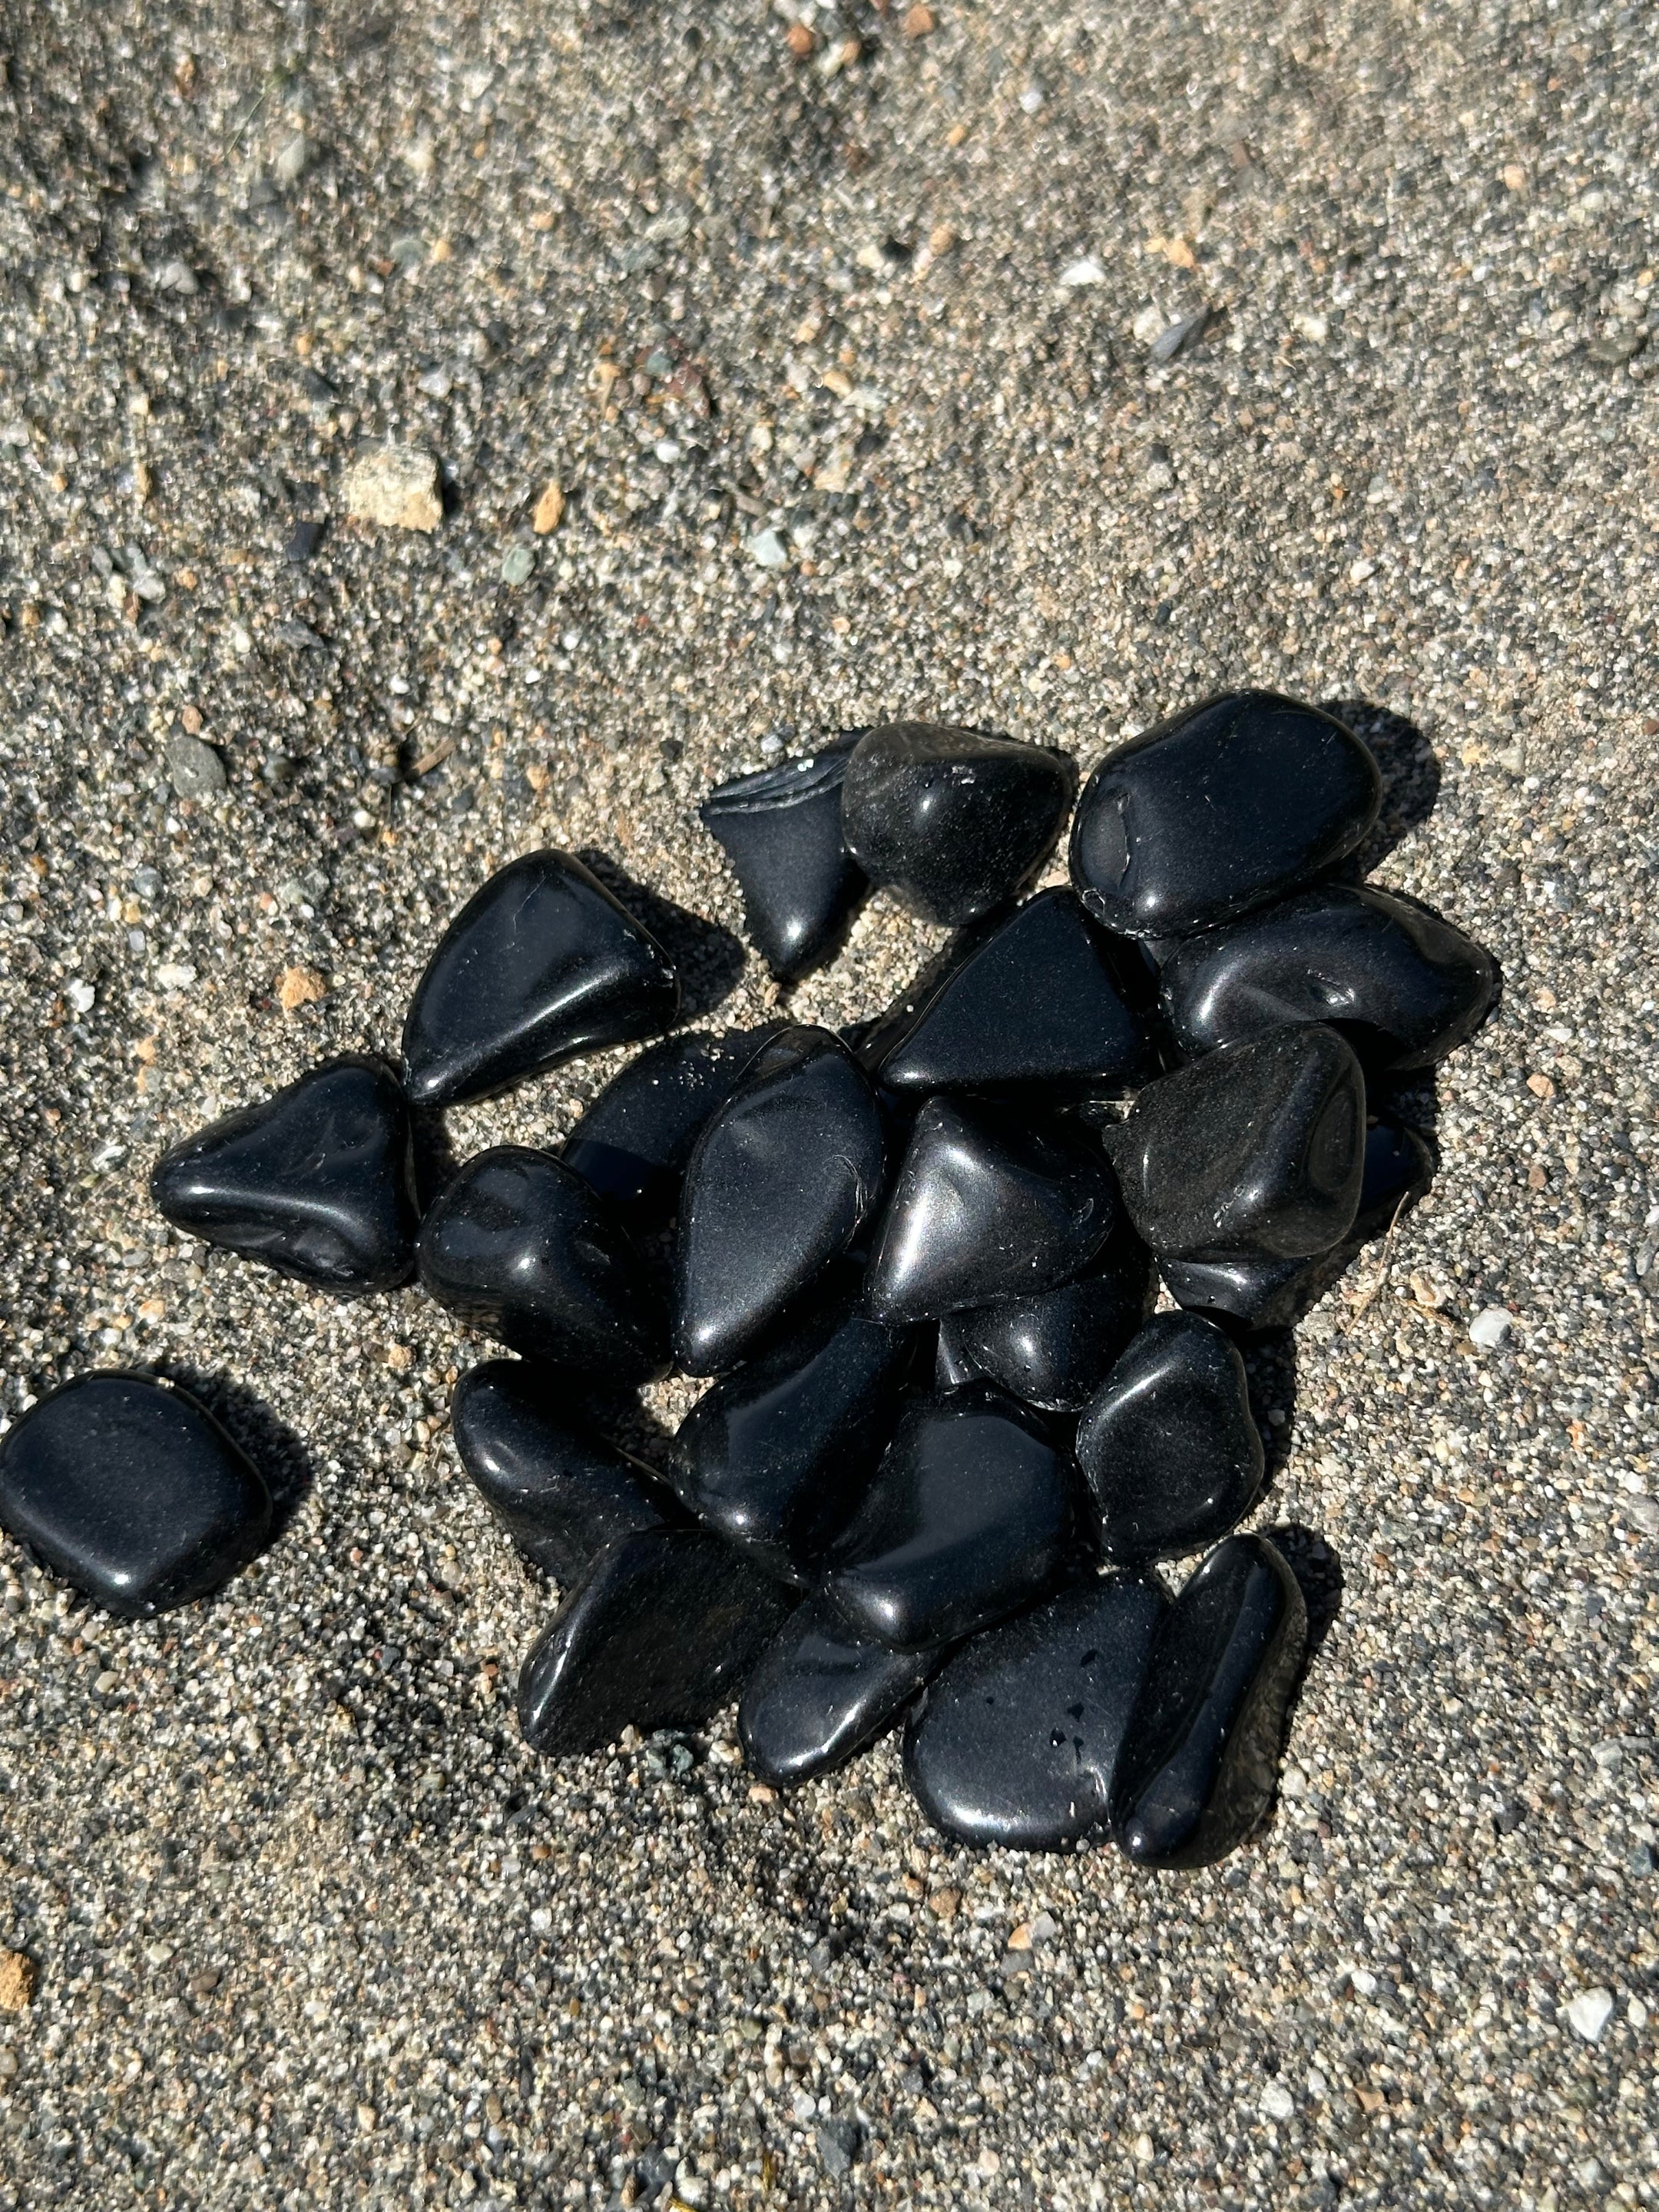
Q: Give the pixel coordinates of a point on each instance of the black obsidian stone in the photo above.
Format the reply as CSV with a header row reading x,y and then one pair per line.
x,y
987,1205
1197,1768
521,1248
1257,1148
633,1142
132,1492
956,823
317,1181
1404,986
781,1181
818,1694
1037,1002
541,963
782,832
777,1454
970,1514
1232,803
1167,1445
1019,1737
1053,1349
560,1493
659,1632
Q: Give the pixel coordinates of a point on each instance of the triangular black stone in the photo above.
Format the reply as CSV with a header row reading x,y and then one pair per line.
x,y
782,832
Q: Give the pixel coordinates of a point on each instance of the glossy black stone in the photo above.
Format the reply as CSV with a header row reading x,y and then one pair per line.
x,y
782,1180
560,1493
777,1454
659,1632
970,1515
318,1183
1198,1765
1257,1148
818,1694
633,1142
522,1249
541,963
1053,1349
1232,803
1037,1002
956,823
1019,1736
987,1205
132,1492
1403,985
782,832
1167,1445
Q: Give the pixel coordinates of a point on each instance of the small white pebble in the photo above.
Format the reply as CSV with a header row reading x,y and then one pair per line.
x,y
768,551
1589,2013
1277,2102
1489,1328
81,997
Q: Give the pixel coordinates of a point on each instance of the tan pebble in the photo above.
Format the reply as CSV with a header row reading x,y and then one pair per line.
x,y
1021,1938
300,986
944,1903
395,486
918,22
1541,1086
760,1793
16,1982
800,41
550,509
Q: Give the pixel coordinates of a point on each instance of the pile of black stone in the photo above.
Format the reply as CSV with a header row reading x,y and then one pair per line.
x,y
947,1439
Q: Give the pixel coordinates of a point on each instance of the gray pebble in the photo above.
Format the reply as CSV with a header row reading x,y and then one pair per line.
x,y
194,769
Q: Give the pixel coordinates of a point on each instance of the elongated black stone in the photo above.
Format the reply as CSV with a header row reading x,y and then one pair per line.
x,y
1037,1002
782,832
1019,1737
560,1493
954,823
1053,1349
1230,804
782,1180
987,1205
1198,1765
777,1454
659,1632
633,1141
132,1492
1404,986
541,963
817,1695
521,1249
1257,1148
971,1513
1167,1445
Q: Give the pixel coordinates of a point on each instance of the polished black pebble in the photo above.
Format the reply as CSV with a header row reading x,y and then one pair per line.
x,y
1199,1761
635,1139
971,1513
818,1694
1232,803
1405,987
132,1492
1167,1445
782,1180
659,1632
1052,1349
779,1452
954,823
541,963
560,1493
1037,1002
521,1249
781,833
1257,1148
1019,1736
318,1183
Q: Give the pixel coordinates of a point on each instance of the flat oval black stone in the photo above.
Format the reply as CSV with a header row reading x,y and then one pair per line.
x,y
819,1694
1053,1349
540,964
132,1492
1038,1001
1404,986
777,1454
1197,1768
987,1206
970,1514
521,1249
1168,1447
318,1183
1257,1148
781,833
1019,1737
781,1181
659,1632
633,1141
954,823
560,1493
1230,804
